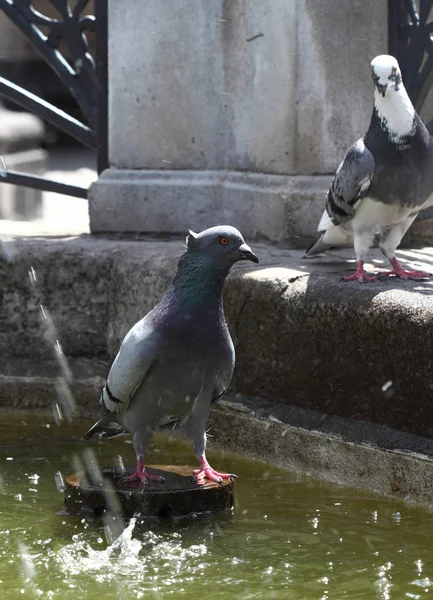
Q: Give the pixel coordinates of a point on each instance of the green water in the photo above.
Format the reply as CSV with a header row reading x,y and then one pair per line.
x,y
289,536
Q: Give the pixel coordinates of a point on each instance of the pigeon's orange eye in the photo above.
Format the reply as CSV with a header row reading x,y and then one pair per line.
x,y
223,240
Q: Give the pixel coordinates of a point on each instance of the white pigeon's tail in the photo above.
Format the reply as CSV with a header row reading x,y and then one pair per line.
x,y
331,235
318,247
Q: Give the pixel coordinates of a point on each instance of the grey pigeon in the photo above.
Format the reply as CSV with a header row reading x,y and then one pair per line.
x,y
385,179
179,359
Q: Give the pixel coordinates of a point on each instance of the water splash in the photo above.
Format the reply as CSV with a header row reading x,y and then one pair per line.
x,y
29,569
128,555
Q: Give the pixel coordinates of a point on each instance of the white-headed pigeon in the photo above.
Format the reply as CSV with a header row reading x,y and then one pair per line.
x,y
385,179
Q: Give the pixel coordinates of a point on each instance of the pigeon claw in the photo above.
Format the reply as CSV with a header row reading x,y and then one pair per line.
x,y
144,477
399,271
360,275
208,473
403,274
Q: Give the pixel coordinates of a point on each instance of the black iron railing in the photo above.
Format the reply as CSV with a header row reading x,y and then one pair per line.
x,y
410,29
84,75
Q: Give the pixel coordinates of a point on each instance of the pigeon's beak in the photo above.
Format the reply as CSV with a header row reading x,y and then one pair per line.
x,y
381,87
247,253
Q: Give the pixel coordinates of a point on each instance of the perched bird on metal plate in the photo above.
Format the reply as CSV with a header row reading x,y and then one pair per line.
x,y
385,179
179,359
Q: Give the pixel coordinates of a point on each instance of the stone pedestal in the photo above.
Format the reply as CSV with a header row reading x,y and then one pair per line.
x,y
227,111
179,496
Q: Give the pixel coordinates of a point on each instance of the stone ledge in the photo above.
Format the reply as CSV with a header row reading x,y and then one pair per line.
x,y
403,473
302,336
276,208
34,385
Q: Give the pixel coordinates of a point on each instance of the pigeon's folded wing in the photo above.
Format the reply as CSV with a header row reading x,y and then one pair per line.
x,y
351,183
131,366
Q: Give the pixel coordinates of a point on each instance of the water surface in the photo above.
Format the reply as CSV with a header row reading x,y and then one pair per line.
x,y
289,536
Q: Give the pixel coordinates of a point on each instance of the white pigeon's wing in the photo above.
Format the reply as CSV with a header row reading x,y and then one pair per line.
x,y
138,351
351,183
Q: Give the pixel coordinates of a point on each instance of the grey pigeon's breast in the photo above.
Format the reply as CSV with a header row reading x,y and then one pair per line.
x,y
403,177
182,373
403,185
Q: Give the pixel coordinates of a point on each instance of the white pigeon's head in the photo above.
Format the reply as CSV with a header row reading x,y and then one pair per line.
x,y
386,74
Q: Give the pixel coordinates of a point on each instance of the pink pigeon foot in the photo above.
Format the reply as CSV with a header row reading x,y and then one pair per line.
x,y
360,274
399,271
142,475
206,472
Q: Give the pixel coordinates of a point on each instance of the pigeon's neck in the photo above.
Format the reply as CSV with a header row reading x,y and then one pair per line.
x,y
199,282
396,115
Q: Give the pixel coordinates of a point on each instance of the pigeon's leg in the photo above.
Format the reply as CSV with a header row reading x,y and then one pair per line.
x,y
206,471
362,243
195,431
360,274
399,271
140,472
388,244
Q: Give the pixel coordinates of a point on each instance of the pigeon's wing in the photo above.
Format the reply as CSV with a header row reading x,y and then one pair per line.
x,y
351,183
138,351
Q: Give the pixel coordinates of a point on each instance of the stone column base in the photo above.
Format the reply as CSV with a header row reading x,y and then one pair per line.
x,y
275,208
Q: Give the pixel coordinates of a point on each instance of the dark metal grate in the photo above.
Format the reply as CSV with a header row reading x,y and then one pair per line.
x,y
85,77
410,28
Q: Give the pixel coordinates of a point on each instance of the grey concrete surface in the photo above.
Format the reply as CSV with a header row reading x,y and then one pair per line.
x,y
48,213
20,136
400,472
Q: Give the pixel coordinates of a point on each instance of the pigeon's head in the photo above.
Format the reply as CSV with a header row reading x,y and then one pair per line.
x,y
223,244
385,73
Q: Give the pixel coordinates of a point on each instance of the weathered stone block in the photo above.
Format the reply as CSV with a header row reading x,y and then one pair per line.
x,y
71,285
276,208
208,101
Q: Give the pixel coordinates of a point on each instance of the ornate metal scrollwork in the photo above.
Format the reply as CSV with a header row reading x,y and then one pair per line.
x,y
410,29
63,43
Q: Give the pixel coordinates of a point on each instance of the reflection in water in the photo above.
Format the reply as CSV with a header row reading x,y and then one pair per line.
x,y
288,537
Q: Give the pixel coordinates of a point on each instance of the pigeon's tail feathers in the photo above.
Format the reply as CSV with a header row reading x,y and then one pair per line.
x,y
325,222
105,427
333,236
320,245
317,247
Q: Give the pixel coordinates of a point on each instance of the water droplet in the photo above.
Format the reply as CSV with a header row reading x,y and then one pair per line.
x,y
66,399
60,482
119,464
32,275
57,414
386,385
